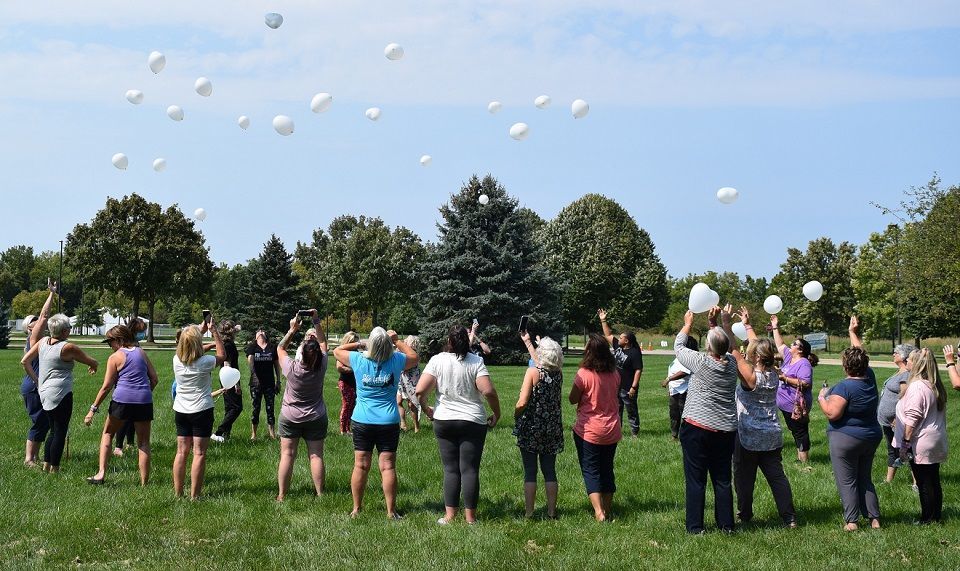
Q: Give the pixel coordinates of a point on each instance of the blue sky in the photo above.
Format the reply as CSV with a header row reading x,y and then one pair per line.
x,y
811,111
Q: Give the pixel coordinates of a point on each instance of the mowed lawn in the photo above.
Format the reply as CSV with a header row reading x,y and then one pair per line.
x,y
59,520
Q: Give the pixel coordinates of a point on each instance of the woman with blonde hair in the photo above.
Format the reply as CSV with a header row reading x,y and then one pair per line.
x,y
193,405
407,391
920,431
538,421
132,378
347,384
759,441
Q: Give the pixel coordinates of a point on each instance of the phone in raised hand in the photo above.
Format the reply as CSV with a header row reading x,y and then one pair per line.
x,y
523,323
206,316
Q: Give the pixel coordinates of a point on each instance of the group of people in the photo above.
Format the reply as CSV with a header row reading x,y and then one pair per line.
x,y
725,407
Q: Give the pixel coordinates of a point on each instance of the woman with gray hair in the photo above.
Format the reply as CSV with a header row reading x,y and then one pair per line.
x,y
33,326
538,421
375,421
887,409
55,383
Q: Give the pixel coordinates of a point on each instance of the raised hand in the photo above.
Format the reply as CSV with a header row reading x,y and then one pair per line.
x,y
744,315
393,336
602,314
295,323
949,354
726,314
854,324
688,318
774,321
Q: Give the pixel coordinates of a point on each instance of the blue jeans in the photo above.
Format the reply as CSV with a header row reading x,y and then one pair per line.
x,y
40,424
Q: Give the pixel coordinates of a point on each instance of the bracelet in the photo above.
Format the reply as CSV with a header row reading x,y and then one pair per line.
x,y
94,408
951,365
774,329
748,326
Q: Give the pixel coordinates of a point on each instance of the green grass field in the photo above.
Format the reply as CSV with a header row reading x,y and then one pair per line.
x,y
59,520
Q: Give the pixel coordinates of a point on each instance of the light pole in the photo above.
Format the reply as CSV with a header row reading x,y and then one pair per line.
x,y
895,231
60,278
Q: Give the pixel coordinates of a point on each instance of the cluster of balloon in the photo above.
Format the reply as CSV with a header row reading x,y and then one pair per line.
x,y
773,304
134,96
579,108
283,125
740,330
273,20
393,52
229,377
373,113
727,195
321,102
159,164
542,102
494,107
519,131
813,290
425,160
175,112
244,122
702,298
484,199
203,86
200,214
120,161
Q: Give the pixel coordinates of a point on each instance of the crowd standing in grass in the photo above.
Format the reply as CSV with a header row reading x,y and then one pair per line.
x,y
724,409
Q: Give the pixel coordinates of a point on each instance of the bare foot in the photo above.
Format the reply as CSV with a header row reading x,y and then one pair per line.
x,y
354,514
875,523
851,527
118,452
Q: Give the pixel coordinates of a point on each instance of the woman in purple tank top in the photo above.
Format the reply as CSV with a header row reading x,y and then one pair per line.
x,y
131,376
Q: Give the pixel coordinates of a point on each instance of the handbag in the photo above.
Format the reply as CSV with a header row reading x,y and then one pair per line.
x,y
799,406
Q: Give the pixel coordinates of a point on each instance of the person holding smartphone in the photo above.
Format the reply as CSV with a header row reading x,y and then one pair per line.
x,y
264,365
477,346
629,357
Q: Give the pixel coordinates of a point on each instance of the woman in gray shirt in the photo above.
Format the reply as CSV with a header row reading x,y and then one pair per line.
x,y
887,409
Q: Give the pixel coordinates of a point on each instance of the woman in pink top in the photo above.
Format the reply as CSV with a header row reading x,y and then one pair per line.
x,y
597,429
921,431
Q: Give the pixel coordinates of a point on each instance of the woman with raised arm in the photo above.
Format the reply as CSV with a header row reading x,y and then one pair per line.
x,y
676,383
232,398
347,384
132,378
460,419
629,358
303,413
407,391
193,404
795,394
709,426
854,434
950,357
33,326
54,380
921,431
759,442
538,421
376,421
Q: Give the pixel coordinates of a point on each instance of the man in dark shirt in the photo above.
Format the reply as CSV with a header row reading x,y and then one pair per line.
x,y
629,359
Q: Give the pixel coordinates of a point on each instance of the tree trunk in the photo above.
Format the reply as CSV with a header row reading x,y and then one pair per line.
x,y
374,316
136,308
151,305
346,319
916,342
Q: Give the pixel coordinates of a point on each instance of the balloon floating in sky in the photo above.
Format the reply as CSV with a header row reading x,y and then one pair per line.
x,y
203,86
157,61
200,214
579,108
519,131
727,195
425,160
120,161
393,52
159,164
134,96
740,330
174,112
813,290
484,199
273,20
244,122
321,102
373,113
494,107
542,102
773,304
702,298
283,125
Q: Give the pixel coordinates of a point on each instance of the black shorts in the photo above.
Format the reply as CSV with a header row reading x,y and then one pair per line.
x,y
133,412
197,424
386,437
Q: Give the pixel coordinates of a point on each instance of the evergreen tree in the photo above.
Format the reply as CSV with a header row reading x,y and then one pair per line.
x,y
487,265
274,293
4,326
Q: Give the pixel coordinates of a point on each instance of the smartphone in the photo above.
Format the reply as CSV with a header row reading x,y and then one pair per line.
x,y
523,323
305,313
206,315
476,322
825,385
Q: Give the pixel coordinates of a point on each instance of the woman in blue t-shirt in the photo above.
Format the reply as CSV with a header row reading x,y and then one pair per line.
x,y
854,434
375,420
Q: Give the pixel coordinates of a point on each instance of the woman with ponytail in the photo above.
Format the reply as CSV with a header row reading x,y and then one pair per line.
x,y
795,394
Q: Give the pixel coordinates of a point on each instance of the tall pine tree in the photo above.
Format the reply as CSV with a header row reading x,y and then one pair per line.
x,y
274,291
487,265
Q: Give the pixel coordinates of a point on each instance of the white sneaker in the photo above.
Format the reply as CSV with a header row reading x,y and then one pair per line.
x,y
217,438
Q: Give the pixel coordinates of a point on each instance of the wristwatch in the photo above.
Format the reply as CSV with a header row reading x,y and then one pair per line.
x,y
94,408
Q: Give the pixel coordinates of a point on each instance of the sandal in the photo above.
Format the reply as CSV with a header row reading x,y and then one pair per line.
x,y
95,481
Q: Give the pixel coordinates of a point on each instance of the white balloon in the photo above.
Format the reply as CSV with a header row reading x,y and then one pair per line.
x,y
542,102
200,214
393,52
714,298
203,86
175,112
373,113
484,199
701,298
283,125
579,108
425,160
519,131
773,304
159,164
134,96
244,122
740,330
321,102
813,290
727,195
273,20
120,161
157,61
494,106
229,377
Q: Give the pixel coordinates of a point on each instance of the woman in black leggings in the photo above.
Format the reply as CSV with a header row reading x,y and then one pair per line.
x,y
460,419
